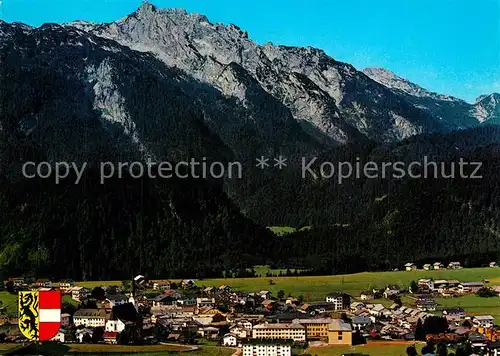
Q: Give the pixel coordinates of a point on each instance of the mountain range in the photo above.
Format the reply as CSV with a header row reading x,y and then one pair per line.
x,y
164,84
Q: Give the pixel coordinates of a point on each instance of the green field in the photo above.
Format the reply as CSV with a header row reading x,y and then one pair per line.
x,y
9,301
214,351
285,230
122,350
473,305
373,349
316,288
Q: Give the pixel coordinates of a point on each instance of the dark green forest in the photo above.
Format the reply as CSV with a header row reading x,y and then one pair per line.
x,y
190,228
170,228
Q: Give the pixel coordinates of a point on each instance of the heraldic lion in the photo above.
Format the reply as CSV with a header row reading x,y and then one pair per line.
x,y
28,314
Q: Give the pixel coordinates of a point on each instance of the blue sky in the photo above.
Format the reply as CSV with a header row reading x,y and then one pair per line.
x,y
448,46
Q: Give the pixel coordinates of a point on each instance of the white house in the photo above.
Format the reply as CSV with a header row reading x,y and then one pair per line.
x,y
60,337
161,285
230,340
410,266
341,301
82,332
438,265
240,331
245,323
205,302
262,348
485,321
90,318
454,265
114,326
79,293
265,294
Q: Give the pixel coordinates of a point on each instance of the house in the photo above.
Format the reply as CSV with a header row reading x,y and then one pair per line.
x,y
43,283
268,347
139,279
367,296
209,332
454,265
493,348
391,290
169,297
205,302
485,321
295,332
240,331
90,317
115,325
470,287
357,306
230,340
244,323
340,301
460,312
265,294
493,264
478,340
426,284
410,266
110,337
81,333
428,267
377,310
61,336
116,299
315,328
65,319
339,333
79,293
65,287
225,288
438,265
187,283
360,322
426,303
161,285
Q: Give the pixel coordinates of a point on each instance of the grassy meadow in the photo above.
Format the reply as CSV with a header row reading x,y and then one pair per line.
x,y
316,287
372,349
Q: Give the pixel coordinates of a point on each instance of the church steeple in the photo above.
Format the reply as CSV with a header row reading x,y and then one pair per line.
x,y
131,299
132,287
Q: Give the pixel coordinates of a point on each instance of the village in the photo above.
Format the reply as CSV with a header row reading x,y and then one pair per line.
x,y
187,312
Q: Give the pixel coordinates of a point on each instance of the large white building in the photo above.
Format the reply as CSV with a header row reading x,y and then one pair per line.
x,y
267,348
295,332
90,318
340,301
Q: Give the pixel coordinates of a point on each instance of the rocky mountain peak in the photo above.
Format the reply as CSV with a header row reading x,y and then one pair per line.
x,y
393,81
487,108
146,8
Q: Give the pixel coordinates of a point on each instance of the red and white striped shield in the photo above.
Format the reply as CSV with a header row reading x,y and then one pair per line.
x,y
39,314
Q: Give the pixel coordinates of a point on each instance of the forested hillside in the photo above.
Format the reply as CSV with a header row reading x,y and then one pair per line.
x,y
168,228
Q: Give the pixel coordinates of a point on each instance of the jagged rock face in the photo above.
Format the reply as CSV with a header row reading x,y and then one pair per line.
x,y
455,112
332,100
487,108
70,95
166,84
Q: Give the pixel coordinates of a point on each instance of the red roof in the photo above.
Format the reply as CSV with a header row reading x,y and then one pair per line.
x,y
109,334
